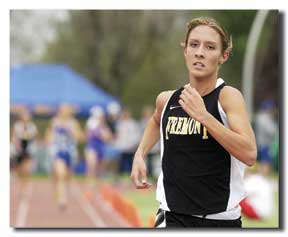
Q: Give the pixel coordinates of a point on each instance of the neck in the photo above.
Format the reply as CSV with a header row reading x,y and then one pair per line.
x,y
203,85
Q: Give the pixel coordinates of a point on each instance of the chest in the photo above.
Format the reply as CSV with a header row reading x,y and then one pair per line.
x,y
179,128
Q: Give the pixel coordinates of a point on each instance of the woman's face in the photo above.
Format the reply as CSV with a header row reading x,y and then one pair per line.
x,y
203,52
64,111
25,116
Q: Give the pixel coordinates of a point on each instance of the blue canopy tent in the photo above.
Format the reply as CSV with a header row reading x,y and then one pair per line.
x,y
51,85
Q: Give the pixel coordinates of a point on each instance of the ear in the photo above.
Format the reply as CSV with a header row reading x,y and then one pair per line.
x,y
224,57
184,48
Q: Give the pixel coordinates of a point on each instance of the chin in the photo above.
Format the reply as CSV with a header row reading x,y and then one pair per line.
x,y
199,75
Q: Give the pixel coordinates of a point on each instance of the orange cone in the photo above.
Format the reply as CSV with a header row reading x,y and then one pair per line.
x,y
151,221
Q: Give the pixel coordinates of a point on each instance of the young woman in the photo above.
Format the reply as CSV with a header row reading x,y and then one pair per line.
x,y
206,139
98,133
62,136
23,134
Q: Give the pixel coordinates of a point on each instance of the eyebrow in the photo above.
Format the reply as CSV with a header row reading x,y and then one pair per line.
x,y
209,42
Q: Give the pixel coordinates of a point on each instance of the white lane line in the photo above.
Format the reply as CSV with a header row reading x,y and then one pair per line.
x,y
87,207
23,207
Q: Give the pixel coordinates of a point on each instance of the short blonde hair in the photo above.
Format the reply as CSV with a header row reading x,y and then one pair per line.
x,y
226,41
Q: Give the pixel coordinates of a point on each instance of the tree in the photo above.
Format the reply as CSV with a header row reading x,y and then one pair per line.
x,y
30,31
136,54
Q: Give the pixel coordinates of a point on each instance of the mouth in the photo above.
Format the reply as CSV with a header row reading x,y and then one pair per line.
x,y
198,64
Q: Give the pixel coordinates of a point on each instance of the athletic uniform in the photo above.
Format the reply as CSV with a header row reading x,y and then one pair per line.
x,y
63,145
95,141
25,133
200,184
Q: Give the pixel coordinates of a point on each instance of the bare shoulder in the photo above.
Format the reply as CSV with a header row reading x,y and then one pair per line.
x,y
230,91
162,98
231,97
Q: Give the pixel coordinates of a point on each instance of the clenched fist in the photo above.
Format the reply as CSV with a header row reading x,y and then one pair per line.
x,y
192,103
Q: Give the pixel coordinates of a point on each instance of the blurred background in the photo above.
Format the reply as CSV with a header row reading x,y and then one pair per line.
x,y
108,67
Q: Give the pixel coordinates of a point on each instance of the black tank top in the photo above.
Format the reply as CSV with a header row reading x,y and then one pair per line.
x,y
196,168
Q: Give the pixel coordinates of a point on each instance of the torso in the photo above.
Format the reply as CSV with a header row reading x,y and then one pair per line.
x,y
25,132
196,169
62,135
95,140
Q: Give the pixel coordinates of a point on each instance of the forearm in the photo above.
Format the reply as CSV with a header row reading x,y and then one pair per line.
x,y
150,137
77,132
240,146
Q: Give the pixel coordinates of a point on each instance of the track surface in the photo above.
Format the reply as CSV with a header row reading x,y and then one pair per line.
x,y
38,208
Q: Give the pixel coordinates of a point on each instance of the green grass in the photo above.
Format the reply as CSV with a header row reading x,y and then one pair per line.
x,y
145,202
271,222
147,206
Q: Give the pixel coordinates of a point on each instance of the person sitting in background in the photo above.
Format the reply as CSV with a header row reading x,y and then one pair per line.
x,y
98,133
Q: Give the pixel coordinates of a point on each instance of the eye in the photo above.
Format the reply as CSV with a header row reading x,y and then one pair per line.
x,y
210,47
193,45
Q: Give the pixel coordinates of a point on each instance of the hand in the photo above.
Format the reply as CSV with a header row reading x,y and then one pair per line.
x,y
192,103
138,173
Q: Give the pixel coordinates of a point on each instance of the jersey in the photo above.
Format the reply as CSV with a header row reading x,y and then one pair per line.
x,y
198,177
95,140
25,133
63,144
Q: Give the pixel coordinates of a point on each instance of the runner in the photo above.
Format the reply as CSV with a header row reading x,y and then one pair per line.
x,y
23,134
62,136
98,133
206,139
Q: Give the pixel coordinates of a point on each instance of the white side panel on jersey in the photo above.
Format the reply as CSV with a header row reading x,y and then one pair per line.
x,y
219,82
237,191
160,192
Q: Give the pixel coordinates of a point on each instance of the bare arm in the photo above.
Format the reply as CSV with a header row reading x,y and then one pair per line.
x,y
14,138
106,133
48,134
150,137
238,139
77,131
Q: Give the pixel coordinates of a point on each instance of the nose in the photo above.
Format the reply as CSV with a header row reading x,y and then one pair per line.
x,y
199,52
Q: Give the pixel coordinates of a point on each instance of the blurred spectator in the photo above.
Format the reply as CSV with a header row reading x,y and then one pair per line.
x,y
23,134
62,137
113,113
98,133
265,131
147,112
110,163
258,184
260,193
127,139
